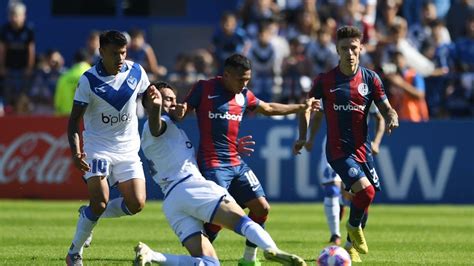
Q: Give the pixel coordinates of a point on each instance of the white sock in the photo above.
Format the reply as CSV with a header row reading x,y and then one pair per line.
x,y
250,253
331,209
83,230
115,208
257,235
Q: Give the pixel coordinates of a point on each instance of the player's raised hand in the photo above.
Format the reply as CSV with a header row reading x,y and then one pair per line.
x,y
155,96
181,109
243,144
298,145
312,104
79,160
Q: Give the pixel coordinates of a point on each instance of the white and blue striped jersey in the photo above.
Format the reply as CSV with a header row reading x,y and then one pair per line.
x,y
171,156
110,120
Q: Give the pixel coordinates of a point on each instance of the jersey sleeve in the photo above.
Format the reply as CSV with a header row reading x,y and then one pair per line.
x,y
144,82
194,95
379,91
252,100
83,91
317,88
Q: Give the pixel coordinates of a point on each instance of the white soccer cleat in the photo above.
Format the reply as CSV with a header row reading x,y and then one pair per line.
x,y
283,258
143,255
74,259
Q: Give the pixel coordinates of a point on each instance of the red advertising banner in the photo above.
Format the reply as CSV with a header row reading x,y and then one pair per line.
x,y
35,161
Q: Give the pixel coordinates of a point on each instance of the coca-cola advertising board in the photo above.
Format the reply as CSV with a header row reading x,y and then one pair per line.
x,y
35,160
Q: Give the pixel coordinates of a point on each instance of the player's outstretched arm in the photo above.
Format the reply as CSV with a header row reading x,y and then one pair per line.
x,y
389,114
73,134
272,108
157,126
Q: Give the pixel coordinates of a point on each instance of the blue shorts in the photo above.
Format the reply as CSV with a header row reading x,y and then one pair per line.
x,y
351,170
240,181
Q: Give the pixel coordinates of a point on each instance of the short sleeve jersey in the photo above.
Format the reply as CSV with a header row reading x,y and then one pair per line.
x,y
346,103
110,120
170,156
219,113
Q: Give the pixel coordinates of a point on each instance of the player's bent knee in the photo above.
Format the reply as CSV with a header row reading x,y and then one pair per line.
x,y
332,190
98,207
260,208
135,206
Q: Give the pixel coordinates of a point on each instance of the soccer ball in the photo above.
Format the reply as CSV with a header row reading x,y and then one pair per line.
x,y
334,256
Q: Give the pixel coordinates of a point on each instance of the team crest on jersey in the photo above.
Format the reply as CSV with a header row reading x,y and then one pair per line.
x,y
132,82
363,89
239,99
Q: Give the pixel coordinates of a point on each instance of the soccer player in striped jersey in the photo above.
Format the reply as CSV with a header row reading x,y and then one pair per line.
x,y
347,92
190,199
335,197
220,104
106,100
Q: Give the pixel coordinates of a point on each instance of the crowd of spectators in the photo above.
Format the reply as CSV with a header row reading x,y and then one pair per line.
x,y
422,49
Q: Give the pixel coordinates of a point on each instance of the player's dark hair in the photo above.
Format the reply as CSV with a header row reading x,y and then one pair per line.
x,y
112,37
237,62
348,32
159,85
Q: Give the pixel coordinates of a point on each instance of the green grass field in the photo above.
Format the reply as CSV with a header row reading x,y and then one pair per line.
x,y
40,232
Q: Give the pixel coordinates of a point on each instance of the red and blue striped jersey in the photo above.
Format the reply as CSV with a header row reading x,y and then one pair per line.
x,y
346,102
219,113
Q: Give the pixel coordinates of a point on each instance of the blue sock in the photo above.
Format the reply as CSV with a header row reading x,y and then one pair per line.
x,y
90,215
241,223
125,209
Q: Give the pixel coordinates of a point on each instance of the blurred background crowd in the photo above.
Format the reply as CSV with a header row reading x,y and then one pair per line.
x,y
422,49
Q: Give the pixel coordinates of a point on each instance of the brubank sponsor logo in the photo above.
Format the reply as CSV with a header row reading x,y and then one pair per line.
x,y
114,119
35,157
348,107
225,115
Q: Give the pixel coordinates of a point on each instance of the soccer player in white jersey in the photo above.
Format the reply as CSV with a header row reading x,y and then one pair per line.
x,y
190,199
106,100
335,197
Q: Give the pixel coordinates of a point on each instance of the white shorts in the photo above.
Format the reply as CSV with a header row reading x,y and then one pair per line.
x,y
325,172
117,168
191,203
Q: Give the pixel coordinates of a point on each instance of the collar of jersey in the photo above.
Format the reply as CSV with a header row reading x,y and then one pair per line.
x,y
101,69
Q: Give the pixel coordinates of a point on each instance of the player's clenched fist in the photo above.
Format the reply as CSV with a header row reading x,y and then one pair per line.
x,y
155,96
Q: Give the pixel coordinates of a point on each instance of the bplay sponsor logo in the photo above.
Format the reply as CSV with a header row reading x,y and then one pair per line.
x,y
114,119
